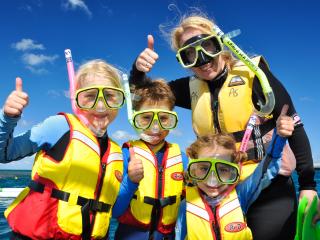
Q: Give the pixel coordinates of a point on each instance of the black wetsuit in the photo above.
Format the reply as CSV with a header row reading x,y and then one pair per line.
x,y
273,215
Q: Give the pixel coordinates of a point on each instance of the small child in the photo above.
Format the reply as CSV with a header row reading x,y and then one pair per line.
x,y
77,169
215,206
153,168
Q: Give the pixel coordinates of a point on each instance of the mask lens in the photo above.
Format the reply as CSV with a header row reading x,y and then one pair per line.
x,y
226,173
87,98
143,120
114,98
211,46
188,56
167,120
199,170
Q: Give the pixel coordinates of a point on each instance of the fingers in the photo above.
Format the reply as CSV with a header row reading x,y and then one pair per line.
x,y
16,101
150,42
135,168
18,84
284,110
147,57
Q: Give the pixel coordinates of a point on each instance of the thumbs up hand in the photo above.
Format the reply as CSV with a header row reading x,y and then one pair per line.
x,y
16,101
285,124
147,57
135,168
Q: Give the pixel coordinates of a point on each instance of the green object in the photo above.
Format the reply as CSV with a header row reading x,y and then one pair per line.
x,y
306,230
225,171
143,120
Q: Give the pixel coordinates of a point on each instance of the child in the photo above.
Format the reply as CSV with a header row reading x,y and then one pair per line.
x,y
153,177
215,206
77,169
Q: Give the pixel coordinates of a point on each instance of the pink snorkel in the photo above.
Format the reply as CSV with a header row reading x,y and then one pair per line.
x,y
70,67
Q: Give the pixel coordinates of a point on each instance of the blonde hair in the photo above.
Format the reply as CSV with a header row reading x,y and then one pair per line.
x,y
201,23
100,69
211,141
154,91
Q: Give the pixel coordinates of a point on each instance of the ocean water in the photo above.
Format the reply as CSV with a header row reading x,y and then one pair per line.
x,y
12,179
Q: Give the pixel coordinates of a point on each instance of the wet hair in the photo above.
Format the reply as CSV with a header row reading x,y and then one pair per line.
x,y
154,91
213,140
202,23
97,68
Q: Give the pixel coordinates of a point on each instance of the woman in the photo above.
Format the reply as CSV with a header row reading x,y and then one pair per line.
x,y
227,91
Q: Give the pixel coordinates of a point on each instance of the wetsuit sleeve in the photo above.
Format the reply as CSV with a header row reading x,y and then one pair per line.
x,y
179,87
41,136
299,141
181,224
249,190
127,188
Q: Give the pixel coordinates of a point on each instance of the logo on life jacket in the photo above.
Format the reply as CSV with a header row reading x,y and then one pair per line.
x,y
236,81
178,176
235,227
118,175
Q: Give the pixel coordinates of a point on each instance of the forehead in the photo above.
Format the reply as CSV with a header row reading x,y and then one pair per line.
x,y
208,152
148,104
189,33
94,79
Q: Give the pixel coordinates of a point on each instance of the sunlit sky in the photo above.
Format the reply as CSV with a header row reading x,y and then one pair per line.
x,y
34,34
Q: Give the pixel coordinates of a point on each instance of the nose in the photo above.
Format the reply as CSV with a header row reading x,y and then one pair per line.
x,y
212,180
101,107
155,126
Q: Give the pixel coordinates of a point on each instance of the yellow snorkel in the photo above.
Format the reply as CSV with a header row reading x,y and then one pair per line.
x,y
265,109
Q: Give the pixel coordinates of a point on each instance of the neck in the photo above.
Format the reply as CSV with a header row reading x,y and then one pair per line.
x,y
155,147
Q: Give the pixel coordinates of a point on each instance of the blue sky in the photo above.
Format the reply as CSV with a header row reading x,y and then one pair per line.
x,y
34,34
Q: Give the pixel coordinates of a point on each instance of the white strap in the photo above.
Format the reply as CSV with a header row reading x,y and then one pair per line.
x,y
173,161
86,140
198,211
230,206
144,154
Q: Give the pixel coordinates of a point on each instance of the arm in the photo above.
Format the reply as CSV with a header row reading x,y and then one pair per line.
x,y
127,188
249,190
181,224
41,136
299,141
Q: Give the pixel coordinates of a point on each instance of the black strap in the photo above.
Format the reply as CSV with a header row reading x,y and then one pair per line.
x,y
264,129
86,204
159,203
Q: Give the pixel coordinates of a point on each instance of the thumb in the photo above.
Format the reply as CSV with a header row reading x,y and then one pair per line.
x,y
18,84
150,42
132,155
284,110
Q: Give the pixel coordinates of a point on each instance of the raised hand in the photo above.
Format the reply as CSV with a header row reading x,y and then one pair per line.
x,y
285,124
16,101
147,57
135,168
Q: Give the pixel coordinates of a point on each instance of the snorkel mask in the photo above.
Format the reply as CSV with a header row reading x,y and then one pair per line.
x,y
213,170
199,50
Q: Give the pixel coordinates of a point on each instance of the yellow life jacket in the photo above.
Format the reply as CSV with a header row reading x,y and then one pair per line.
x,y
79,178
234,109
228,218
164,195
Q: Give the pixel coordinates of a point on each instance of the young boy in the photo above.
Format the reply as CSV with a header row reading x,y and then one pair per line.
x,y
74,183
153,168
216,205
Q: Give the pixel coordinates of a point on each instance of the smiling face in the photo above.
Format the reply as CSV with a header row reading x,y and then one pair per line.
x,y
210,70
154,135
100,117
211,186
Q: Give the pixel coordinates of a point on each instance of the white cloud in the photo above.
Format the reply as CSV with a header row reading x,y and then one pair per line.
x,y
176,132
306,99
27,44
54,93
37,59
123,135
74,4
38,71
